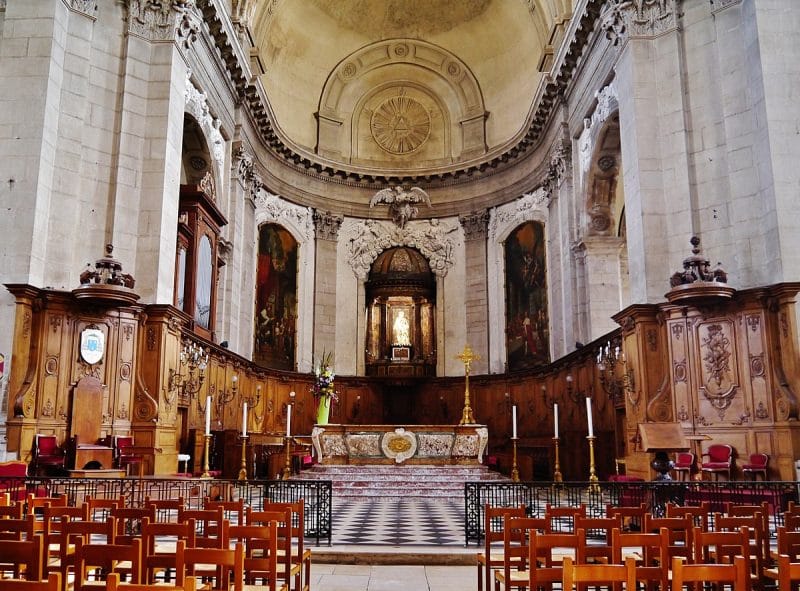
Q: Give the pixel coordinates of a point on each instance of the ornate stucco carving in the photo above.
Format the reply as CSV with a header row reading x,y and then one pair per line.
x,y
557,169
718,5
197,107
402,202
246,172
607,103
475,224
157,20
434,239
85,7
623,19
327,224
531,206
297,219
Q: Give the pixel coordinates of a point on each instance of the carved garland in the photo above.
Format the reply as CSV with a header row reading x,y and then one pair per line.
x,y
623,19
197,107
432,238
300,219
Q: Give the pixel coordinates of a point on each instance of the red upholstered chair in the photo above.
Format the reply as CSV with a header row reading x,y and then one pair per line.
x,y
757,465
47,455
720,460
684,464
124,455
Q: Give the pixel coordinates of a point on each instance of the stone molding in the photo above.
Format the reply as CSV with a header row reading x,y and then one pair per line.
x,y
530,207
720,5
157,20
297,219
249,179
475,224
607,103
197,107
626,19
432,237
84,7
327,224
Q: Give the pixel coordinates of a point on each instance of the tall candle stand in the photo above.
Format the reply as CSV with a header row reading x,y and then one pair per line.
x,y
206,473
243,468
514,471
557,477
594,485
287,468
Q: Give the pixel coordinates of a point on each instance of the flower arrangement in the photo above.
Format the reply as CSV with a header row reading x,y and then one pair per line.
x,y
323,389
323,384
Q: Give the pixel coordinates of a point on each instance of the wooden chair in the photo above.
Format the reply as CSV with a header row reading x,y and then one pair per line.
x,y
679,533
696,576
227,565
102,559
47,455
260,553
19,557
53,583
159,541
763,508
287,570
788,573
791,521
722,547
113,584
12,511
101,508
52,520
757,535
516,551
699,513
720,460
209,529
598,529
233,511
18,529
575,576
547,552
34,504
129,522
125,456
301,556
562,519
494,519
684,465
651,555
788,543
756,465
632,517
166,509
88,532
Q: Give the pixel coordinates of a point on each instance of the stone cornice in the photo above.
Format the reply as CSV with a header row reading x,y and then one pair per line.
x,y
582,27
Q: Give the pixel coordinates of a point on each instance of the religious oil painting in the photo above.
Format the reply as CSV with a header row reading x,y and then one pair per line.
x,y
276,299
527,326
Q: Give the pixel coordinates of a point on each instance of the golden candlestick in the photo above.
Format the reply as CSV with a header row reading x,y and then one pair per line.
x,y
514,471
206,473
243,469
594,485
557,468
467,357
287,468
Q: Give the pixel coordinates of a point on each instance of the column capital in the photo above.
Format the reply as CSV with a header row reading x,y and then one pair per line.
x,y
326,225
475,224
624,19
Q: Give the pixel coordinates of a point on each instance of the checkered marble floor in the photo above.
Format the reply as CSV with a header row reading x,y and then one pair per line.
x,y
404,522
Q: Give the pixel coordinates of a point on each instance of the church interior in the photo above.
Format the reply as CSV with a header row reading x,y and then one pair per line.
x,y
494,223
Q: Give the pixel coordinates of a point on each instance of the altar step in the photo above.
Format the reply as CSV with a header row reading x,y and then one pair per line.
x,y
395,482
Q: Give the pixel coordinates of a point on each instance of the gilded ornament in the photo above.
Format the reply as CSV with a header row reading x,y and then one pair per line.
x,y
399,444
400,124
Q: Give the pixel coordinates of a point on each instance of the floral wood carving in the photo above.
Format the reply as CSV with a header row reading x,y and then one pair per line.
x,y
659,408
718,385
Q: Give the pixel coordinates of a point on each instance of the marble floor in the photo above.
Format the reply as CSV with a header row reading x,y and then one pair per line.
x,y
343,577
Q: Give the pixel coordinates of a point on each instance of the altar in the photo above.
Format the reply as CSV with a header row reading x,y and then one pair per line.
x,y
400,444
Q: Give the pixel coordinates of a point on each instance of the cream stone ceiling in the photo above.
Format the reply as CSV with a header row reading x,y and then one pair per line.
x,y
403,85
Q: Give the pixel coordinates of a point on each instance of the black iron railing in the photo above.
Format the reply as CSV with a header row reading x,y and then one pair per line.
x,y
537,495
315,494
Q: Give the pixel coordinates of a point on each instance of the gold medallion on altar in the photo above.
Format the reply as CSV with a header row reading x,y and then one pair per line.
x,y
399,445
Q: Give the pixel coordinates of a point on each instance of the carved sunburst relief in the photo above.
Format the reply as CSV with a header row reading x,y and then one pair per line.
x,y
400,124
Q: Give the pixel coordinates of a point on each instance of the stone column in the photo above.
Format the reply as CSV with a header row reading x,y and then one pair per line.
x,y
659,200
603,282
326,228
475,227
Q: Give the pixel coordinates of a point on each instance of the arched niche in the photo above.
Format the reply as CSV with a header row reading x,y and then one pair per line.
x,y
298,222
503,220
444,88
400,294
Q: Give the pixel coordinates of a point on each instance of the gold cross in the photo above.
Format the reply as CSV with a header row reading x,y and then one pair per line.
x,y
467,357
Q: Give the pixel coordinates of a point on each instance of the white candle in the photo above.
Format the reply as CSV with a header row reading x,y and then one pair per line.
x,y
288,420
208,415
589,416
244,420
514,421
555,420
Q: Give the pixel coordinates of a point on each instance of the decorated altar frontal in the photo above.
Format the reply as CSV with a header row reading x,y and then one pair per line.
x,y
393,444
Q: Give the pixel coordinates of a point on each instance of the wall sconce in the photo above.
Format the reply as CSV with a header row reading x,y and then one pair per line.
x,y
574,394
616,382
189,378
354,412
225,396
509,402
549,400
252,400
